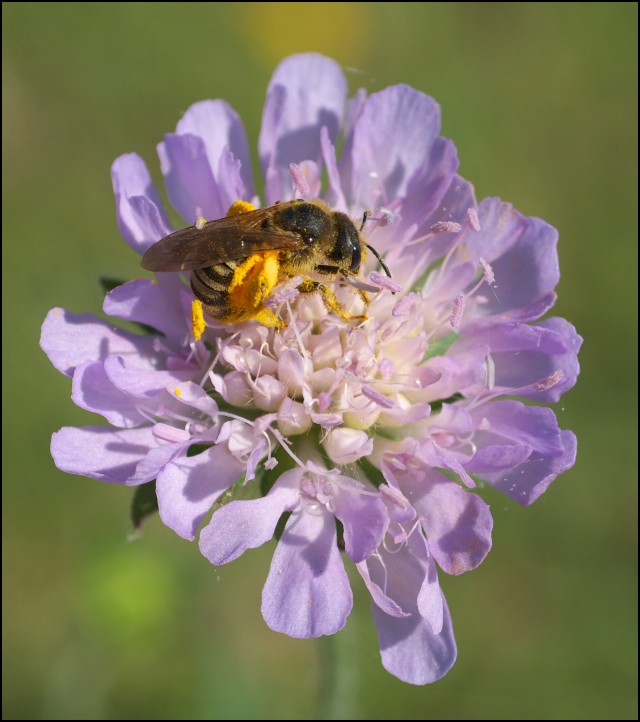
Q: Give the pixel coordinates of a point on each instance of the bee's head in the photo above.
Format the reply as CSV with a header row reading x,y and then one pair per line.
x,y
346,252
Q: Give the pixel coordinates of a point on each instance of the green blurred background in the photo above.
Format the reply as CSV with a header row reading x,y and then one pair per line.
x,y
540,99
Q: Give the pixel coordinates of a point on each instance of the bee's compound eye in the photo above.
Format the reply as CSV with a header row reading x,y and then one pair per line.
x,y
347,246
356,258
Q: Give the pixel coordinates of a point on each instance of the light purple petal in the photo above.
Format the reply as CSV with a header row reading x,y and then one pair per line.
x,y
430,184
230,183
535,426
525,355
142,382
498,457
363,516
457,523
443,376
187,487
525,483
410,577
410,262
430,598
70,339
191,186
141,217
307,593
92,390
306,92
379,598
567,364
222,132
195,396
345,445
247,524
522,253
100,452
431,454
334,195
392,139
149,467
142,301
411,651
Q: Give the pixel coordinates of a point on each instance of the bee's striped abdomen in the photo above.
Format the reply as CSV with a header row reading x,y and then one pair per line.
x,y
211,285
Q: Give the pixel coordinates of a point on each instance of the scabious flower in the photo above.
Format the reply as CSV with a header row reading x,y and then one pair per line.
x,y
368,436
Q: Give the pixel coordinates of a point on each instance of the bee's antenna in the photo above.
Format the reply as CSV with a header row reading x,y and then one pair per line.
x,y
382,263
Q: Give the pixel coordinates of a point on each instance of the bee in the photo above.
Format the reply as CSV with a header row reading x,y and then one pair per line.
x,y
236,261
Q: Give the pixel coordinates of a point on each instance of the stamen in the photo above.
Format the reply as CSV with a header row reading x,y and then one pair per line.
x,y
376,397
405,305
551,381
284,445
284,292
473,220
300,184
456,312
171,434
489,278
445,227
296,332
212,365
386,218
385,282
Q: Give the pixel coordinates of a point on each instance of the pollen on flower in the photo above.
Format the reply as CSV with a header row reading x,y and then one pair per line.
x,y
240,207
198,324
177,391
200,222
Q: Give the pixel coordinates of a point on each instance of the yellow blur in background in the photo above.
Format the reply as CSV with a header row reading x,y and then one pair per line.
x,y
541,101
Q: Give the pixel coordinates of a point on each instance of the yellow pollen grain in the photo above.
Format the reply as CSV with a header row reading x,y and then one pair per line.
x,y
198,324
177,391
240,207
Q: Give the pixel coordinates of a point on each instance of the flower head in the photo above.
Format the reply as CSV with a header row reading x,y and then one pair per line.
x,y
368,436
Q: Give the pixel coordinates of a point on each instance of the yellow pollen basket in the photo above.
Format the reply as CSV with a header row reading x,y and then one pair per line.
x,y
198,324
252,282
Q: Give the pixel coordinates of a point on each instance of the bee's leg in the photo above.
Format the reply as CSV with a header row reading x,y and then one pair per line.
x,y
337,270
329,299
361,292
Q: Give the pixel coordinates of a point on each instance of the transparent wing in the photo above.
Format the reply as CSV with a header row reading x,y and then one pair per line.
x,y
227,239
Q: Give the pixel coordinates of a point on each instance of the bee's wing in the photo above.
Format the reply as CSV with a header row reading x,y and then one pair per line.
x,y
226,239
